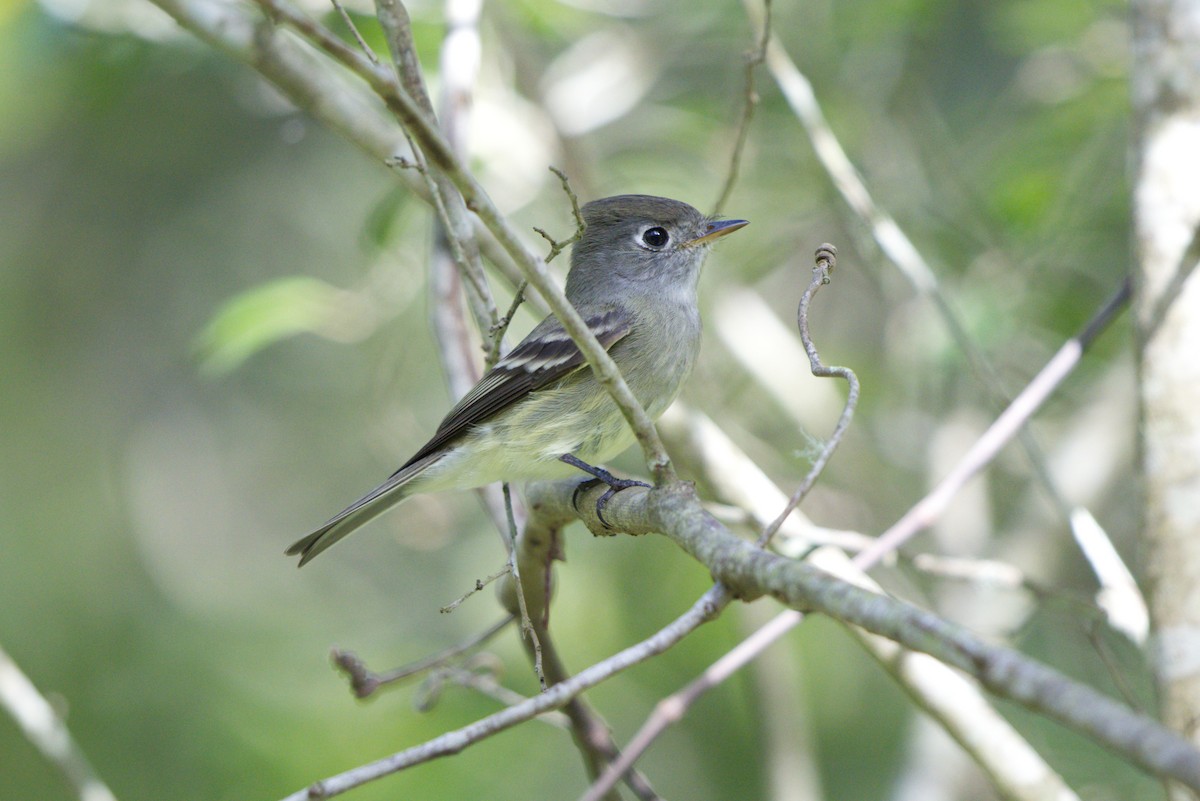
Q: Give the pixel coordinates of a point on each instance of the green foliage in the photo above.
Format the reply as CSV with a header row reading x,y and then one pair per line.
x,y
263,315
158,205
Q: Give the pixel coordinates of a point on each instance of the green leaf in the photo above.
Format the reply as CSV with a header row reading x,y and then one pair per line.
x,y
262,316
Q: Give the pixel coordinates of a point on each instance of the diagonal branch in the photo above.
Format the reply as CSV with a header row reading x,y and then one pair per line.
x,y
440,154
892,240
1002,431
46,730
749,573
235,31
555,697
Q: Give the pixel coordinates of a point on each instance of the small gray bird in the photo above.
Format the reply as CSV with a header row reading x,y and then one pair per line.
x,y
540,413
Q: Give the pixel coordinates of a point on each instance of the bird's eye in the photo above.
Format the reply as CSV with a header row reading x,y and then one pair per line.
x,y
656,237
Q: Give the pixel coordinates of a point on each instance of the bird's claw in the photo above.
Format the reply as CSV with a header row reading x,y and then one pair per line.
x,y
615,486
600,476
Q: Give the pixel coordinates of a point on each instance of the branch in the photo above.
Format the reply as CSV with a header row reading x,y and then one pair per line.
x,y
460,61
44,728
554,697
749,573
364,682
1000,433
892,240
539,545
440,154
754,60
826,259
953,701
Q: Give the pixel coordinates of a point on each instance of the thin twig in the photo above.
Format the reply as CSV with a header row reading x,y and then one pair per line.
x,y
671,709
1188,262
487,685
527,628
479,585
341,10
576,214
557,246
754,59
1095,634
364,682
554,697
954,701
439,152
1001,432
501,328
826,260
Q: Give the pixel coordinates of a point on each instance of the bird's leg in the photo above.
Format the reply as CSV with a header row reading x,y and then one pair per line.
x,y
601,476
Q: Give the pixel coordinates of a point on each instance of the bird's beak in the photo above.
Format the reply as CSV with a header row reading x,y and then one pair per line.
x,y
717,229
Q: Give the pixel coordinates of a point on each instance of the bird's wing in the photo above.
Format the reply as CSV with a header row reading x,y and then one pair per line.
x,y
543,357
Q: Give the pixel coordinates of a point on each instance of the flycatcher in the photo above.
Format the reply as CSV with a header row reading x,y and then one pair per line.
x,y
540,413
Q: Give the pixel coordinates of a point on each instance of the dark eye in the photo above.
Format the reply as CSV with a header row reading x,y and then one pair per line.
x,y
656,237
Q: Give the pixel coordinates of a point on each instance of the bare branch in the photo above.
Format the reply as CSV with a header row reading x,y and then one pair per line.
x,y
892,240
498,331
44,728
364,682
749,572
554,697
485,683
1002,431
556,247
826,259
460,62
479,585
754,60
362,43
514,570
956,703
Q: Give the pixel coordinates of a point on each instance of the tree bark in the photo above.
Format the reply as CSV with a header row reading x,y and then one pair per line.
x,y
1166,98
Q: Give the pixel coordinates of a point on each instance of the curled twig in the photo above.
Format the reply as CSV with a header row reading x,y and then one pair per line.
x,y
672,709
825,261
364,682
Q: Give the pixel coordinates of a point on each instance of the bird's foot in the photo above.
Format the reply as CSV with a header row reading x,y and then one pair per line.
x,y
601,476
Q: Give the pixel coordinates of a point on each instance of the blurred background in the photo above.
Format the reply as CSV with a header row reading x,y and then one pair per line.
x,y
213,335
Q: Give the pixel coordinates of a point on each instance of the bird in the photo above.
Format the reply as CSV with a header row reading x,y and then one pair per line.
x,y
540,413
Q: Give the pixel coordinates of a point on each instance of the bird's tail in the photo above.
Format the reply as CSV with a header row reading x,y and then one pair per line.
x,y
361,512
